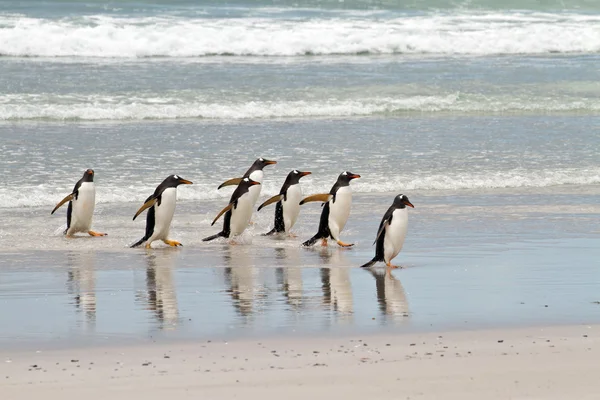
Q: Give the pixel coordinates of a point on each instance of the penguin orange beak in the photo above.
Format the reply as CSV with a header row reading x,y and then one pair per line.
x,y
270,162
408,203
90,172
254,183
354,176
305,173
185,182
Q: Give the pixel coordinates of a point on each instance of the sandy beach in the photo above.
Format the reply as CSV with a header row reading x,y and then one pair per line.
x,y
528,363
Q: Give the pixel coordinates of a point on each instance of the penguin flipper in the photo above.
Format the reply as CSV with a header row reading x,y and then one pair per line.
x,y
149,203
382,227
325,197
223,211
370,263
270,201
230,182
63,201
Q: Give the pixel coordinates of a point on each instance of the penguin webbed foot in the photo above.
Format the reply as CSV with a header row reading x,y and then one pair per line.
x,y
172,243
342,244
390,266
324,242
96,234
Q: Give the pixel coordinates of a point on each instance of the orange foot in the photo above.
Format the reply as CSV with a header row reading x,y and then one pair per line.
x,y
92,233
345,244
390,266
293,236
173,243
148,245
324,242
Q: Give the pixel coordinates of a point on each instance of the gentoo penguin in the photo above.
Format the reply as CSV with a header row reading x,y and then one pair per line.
x,y
392,232
255,173
162,207
288,203
335,210
82,202
238,211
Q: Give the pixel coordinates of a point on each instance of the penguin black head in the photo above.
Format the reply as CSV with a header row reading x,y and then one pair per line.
x,y
247,182
260,163
346,176
295,175
402,201
175,180
88,175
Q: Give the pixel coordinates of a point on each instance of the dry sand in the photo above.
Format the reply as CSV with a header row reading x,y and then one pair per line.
x,y
528,363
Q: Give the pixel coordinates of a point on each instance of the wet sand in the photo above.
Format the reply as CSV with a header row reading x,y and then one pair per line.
x,y
548,363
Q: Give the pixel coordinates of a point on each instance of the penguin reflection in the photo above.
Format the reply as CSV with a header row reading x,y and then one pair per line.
x,y
241,278
390,294
161,297
81,284
289,277
335,281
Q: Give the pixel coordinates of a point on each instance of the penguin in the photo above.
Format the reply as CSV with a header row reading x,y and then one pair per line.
x,y
335,210
392,232
238,211
82,202
162,207
288,203
255,173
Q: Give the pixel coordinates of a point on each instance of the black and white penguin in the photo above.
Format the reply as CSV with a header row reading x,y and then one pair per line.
x,y
238,212
162,207
255,173
392,232
335,210
82,202
288,203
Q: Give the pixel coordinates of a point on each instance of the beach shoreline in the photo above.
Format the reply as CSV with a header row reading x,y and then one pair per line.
x,y
554,362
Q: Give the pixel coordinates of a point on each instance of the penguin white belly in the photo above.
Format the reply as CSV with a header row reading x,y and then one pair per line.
x,y
395,233
339,211
83,208
240,216
163,214
254,190
291,206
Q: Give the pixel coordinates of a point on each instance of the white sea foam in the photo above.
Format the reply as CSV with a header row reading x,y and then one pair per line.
x,y
100,107
48,195
172,36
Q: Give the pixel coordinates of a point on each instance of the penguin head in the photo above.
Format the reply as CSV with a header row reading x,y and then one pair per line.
x,y
247,182
88,175
346,176
176,180
295,175
402,201
260,163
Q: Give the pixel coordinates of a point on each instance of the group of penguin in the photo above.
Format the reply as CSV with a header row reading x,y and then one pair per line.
x,y
238,212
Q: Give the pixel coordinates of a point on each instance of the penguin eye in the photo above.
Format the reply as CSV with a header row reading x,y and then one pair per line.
x,y
296,172
261,159
246,180
345,173
176,176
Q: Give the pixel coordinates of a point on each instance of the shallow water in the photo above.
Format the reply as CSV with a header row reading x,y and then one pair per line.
x,y
468,264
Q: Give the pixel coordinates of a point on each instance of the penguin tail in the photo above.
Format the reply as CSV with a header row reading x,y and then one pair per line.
x,y
271,232
370,263
213,237
312,240
136,244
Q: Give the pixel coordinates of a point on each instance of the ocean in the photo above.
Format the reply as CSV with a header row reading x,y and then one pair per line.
x,y
485,113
